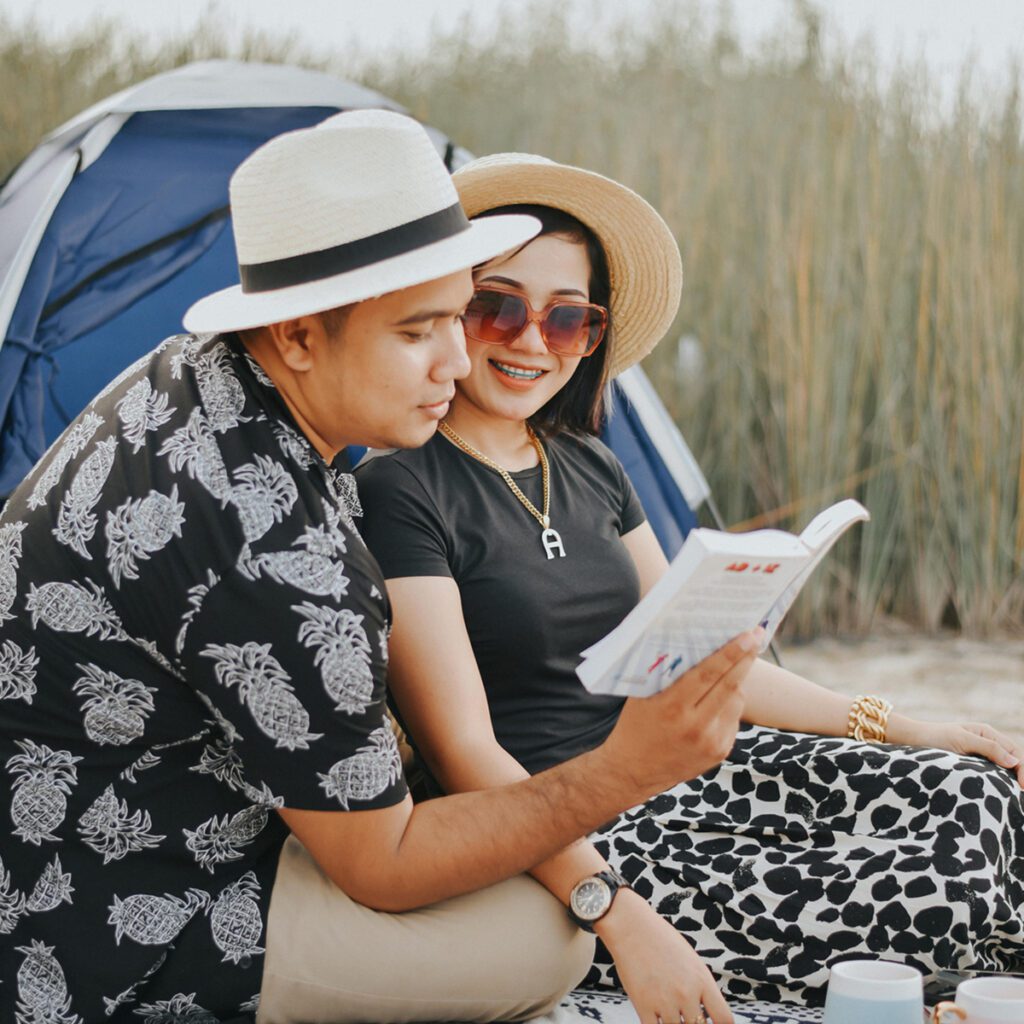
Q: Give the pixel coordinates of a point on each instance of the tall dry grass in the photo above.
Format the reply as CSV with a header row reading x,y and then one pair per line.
x,y
853,270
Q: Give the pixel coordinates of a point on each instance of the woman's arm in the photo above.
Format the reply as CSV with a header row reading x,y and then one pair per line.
x,y
781,699
433,676
435,681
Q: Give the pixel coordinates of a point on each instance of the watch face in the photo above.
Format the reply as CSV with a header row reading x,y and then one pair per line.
x,y
591,898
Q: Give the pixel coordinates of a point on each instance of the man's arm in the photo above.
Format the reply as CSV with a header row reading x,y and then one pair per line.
x,y
407,856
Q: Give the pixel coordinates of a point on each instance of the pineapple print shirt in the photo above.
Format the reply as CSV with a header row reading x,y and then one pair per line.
x,y
191,635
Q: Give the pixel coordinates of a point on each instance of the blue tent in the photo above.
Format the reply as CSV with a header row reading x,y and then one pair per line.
x,y
119,221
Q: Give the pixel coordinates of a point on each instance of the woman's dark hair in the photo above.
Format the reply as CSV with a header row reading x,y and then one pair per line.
x,y
579,406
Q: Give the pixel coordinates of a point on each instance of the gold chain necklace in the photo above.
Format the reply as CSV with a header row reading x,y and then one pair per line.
x,y
549,538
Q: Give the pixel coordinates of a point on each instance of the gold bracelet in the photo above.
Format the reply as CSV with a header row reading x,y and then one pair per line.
x,y
869,718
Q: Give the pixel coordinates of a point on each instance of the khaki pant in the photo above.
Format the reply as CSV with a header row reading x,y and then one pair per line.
x,y
504,953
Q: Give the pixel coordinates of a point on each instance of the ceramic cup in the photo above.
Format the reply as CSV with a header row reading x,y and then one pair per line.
x,y
873,992
984,1001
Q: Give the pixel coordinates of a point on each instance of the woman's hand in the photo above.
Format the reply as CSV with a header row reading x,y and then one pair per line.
x,y
662,974
964,738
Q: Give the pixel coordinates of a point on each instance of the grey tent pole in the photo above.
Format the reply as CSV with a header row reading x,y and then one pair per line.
x,y
719,522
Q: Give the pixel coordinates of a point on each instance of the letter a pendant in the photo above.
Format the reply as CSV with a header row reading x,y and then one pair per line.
x,y
552,543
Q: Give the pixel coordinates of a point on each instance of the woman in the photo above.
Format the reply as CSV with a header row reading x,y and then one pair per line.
x,y
513,540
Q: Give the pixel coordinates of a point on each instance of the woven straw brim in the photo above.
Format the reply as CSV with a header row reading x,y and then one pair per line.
x,y
234,310
643,258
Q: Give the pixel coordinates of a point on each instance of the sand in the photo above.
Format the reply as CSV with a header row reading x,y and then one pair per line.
x,y
937,678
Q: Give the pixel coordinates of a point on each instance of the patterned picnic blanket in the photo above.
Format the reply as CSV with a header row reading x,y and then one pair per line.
x,y
588,1006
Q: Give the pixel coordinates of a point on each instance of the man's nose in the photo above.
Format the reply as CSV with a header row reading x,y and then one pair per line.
x,y
454,364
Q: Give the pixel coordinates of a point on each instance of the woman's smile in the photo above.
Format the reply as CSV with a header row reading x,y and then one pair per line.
x,y
517,375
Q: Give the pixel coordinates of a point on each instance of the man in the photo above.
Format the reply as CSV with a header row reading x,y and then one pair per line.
x,y
193,648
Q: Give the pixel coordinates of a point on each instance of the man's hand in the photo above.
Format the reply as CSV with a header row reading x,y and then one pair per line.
x,y
689,727
967,738
662,974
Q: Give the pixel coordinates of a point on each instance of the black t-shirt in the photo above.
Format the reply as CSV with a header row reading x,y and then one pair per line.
x,y
192,633
435,511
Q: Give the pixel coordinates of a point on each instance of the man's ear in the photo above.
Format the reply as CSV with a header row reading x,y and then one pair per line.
x,y
297,340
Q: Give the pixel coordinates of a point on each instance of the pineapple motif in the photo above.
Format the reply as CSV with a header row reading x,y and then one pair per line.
x,y
76,522
145,761
12,902
293,445
317,570
179,1009
346,494
130,371
154,920
42,988
52,888
193,448
74,442
142,409
17,672
10,555
139,528
258,372
264,494
115,709
72,608
222,395
263,686
42,780
196,596
217,840
368,772
235,921
343,654
220,759
382,643
109,828
231,734
129,994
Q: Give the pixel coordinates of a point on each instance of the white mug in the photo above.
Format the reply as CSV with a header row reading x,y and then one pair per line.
x,y
874,991
984,1001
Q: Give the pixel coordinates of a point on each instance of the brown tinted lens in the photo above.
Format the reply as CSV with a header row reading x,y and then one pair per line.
x,y
494,317
573,330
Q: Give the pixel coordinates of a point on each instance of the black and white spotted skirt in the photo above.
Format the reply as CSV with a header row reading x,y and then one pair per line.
x,y
802,850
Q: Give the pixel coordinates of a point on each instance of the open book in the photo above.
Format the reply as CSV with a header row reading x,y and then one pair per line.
x,y
718,586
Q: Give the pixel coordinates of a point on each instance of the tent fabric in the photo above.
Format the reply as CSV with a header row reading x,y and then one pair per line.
x,y
659,490
118,221
149,207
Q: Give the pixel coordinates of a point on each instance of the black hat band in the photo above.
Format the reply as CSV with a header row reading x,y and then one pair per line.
x,y
362,252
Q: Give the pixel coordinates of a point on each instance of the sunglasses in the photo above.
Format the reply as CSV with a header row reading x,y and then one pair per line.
x,y
497,316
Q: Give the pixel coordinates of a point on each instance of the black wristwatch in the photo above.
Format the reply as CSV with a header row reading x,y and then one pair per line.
x,y
591,898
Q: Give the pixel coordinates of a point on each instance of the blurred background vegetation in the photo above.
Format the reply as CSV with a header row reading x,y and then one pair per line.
x,y
853,312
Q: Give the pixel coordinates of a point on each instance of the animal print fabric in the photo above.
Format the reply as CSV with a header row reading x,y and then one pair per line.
x,y
799,851
593,1006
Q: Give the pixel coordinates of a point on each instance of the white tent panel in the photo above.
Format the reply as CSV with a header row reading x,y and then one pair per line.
x,y
20,245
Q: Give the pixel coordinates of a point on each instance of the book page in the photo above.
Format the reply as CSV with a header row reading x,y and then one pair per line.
x,y
718,586
819,535
722,597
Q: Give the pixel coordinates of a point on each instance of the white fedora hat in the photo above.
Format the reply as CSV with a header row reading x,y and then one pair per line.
x,y
356,207
644,264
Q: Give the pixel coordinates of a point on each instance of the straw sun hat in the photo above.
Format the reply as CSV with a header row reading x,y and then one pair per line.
x,y
356,207
643,259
